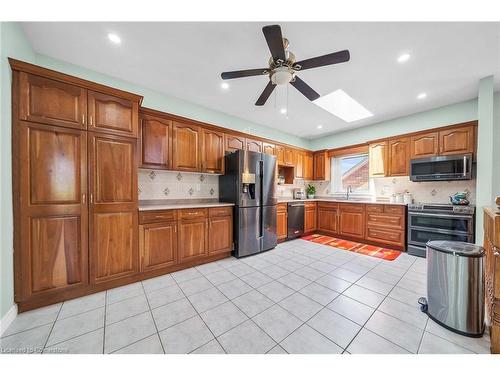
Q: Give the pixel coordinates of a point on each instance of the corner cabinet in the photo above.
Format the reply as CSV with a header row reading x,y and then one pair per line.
x,y
186,147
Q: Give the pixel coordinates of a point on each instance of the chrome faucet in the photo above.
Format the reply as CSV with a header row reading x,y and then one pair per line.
x,y
348,192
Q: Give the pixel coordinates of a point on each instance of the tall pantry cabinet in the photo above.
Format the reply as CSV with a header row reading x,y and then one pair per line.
x,y
75,165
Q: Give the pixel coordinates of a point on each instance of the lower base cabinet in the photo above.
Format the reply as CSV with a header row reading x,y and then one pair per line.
x,y
220,234
310,215
281,221
193,239
158,245
328,218
352,220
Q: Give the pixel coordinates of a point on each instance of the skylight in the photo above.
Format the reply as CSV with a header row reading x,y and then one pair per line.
x,y
343,106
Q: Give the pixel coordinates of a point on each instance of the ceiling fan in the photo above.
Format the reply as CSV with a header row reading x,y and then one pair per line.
x,y
283,67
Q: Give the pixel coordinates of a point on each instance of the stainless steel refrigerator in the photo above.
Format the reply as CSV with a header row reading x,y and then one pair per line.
x,y
250,183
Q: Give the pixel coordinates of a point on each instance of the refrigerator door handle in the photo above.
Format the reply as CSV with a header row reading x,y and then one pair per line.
x,y
261,188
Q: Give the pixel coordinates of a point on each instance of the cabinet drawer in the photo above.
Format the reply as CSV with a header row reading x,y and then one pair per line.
x,y
397,210
377,219
374,208
220,211
328,205
352,207
310,205
146,217
192,213
282,207
385,236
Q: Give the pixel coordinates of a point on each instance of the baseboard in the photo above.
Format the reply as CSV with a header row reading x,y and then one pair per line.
x,y
7,319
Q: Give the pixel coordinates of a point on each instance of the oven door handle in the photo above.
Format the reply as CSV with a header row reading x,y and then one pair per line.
x,y
440,215
442,231
465,166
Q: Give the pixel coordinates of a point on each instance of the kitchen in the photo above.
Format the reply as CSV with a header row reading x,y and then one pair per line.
x,y
216,238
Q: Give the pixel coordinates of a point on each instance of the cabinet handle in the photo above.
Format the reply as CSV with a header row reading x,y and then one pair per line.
x,y
83,118
83,198
175,228
90,119
91,198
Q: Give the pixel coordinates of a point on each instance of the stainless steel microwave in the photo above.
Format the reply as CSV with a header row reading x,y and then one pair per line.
x,y
441,168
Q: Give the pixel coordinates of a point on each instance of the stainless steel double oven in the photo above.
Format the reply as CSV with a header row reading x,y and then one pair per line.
x,y
427,222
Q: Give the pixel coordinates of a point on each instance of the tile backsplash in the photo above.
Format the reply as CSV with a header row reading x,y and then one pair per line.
x,y
160,184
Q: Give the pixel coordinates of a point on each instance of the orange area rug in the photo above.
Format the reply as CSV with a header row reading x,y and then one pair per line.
x,y
361,248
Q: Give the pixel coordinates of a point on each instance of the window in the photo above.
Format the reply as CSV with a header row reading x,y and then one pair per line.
x,y
350,171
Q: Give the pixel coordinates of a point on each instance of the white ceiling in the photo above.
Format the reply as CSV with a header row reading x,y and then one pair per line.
x,y
185,60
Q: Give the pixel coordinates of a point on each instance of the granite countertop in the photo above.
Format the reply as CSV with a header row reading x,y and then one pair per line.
x,y
176,204
336,200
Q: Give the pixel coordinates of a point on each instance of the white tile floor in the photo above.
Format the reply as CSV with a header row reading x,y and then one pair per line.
x,y
298,298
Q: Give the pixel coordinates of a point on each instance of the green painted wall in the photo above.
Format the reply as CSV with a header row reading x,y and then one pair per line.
x,y
447,115
496,147
13,44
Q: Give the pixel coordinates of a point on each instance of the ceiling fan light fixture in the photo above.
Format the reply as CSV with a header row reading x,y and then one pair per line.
x,y
281,76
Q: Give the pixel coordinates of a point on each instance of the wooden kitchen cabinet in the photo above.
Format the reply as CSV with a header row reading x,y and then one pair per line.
x,y
111,114
50,196
456,141
281,221
220,230
327,219
386,224
299,164
377,155
113,229
321,166
192,239
186,147
47,101
424,145
269,148
289,156
308,166
233,143
399,157
352,220
156,142
254,145
212,152
310,217
158,245
280,154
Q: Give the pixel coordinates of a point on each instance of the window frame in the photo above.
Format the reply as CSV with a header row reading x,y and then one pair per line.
x,y
336,176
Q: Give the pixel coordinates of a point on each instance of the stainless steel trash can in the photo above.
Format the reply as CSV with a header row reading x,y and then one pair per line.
x,y
455,286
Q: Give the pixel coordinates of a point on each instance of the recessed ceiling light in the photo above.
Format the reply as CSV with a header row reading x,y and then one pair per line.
x,y
422,95
342,105
404,57
283,111
224,85
114,38
320,126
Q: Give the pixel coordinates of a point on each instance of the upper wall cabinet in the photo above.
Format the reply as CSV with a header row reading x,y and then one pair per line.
x,y
308,166
51,102
233,143
399,157
269,148
321,166
113,115
280,154
424,145
212,152
254,145
377,153
456,141
156,142
289,156
299,164
186,147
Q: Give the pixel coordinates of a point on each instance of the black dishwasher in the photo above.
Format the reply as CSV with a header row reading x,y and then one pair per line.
x,y
295,222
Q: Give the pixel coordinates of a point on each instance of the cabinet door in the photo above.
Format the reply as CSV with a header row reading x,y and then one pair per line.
x,y
156,142
269,148
289,156
113,115
456,141
299,164
310,218
424,145
233,143
220,235
281,223
352,223
51,102
186,147
213,152
280,154
158,243
377,164
52,224
399,157
321,166
327,220
253,145
308,166
113,207
192,240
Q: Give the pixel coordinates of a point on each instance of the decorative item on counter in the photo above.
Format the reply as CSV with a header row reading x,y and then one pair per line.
x,y
460,198
399,197
497,201
392,198
407,197
310,190
281,180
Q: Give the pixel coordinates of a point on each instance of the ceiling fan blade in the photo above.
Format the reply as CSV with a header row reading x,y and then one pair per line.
x,y
265,94
305,89
330,59
274,41
244,73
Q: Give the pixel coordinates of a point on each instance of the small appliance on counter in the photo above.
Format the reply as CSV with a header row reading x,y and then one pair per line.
x,y
299,193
